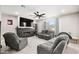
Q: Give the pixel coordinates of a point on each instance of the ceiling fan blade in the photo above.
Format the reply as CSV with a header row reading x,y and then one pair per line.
x,y
35,13
43,14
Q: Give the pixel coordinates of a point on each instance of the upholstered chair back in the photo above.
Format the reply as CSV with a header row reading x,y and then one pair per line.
x,y
11,39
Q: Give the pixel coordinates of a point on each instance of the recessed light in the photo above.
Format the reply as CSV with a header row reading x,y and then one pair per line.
x,y
16,13
63,11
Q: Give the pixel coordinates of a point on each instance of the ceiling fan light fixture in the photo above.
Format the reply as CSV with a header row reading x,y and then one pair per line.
x,y
16,13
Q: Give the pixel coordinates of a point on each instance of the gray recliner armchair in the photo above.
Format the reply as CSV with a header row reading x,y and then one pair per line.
x,y
53,47
14,42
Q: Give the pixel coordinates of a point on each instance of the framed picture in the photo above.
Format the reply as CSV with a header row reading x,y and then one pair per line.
x,y
10,22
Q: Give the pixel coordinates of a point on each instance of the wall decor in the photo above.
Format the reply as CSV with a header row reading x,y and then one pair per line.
x,y
10,22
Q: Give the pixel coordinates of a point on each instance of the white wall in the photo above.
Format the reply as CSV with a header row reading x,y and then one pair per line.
x,y
69,23
4,25
0,29
40,25
0,16
0,13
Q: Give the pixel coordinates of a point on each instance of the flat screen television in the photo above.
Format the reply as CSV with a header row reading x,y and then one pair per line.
x,y
25,22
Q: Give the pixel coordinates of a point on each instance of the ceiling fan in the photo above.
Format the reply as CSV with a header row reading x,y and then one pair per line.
x,y
37,14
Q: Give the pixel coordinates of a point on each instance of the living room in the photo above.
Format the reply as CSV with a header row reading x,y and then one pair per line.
x,y
39,26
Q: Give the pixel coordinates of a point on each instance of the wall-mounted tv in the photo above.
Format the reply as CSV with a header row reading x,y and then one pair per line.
x,y
25,22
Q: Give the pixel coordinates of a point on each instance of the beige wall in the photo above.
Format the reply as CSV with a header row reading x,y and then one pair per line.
x,y
69,23
4,25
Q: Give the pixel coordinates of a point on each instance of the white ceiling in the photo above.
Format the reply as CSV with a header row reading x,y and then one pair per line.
x,y
50,10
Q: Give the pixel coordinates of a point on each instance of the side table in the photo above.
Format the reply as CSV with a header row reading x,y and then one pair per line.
x,y
75,39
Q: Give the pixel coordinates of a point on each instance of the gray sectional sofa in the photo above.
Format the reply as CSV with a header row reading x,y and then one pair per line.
x,y
45,34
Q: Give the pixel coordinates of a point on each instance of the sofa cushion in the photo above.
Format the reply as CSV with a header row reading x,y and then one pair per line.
x,y
45,47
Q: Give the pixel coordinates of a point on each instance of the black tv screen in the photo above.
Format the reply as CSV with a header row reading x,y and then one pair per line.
x,y
25,22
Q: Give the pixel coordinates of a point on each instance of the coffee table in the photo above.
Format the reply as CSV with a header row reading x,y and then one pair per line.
x,y
75,39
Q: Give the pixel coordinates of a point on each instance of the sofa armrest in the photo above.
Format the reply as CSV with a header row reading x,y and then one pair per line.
x,y
60,47
45,48
22,43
